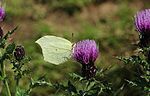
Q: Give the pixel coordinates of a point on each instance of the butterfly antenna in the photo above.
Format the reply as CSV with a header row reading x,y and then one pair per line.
x,y
72,35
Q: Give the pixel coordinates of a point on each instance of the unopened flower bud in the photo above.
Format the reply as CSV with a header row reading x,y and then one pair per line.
x,y
19,53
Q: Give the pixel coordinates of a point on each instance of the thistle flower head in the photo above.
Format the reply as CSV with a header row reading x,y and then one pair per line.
x,y
85,52
142,21
2,14
19,53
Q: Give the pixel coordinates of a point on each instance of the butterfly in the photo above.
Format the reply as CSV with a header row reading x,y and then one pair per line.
x,y
56,50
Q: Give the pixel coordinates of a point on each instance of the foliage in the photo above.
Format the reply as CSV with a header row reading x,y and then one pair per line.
x,y
140,64
80,86
8,54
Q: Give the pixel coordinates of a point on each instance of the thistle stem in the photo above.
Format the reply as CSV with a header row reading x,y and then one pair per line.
x,y
16,86
5,80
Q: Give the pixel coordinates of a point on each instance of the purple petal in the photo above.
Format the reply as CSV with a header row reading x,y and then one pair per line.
x,y
2,14
142,21
85,51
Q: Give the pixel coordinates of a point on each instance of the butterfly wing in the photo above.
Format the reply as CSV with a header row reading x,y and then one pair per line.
x,y
55,50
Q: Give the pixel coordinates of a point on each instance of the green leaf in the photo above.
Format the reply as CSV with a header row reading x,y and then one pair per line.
x,y
90,85
21,92
55,50
10,48
131,82
133,60
71,88
1,78
10,32
76,76
39,83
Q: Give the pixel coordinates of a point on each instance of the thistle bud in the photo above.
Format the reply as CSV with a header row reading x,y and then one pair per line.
x,y
19,53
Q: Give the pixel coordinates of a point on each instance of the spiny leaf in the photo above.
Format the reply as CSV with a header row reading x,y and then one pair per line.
x,y
10,32
71,87
76,76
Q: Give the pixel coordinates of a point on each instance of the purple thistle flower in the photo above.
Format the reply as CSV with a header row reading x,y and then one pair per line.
x,y
142,24
85,52
142,21
2,14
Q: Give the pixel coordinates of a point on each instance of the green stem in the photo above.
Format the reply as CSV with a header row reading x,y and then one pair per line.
x,y
5,80
17,79
16,87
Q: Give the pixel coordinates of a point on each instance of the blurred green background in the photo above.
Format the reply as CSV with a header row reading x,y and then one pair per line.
x,y
109,22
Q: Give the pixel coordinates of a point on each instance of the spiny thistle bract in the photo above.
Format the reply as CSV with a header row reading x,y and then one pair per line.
x,y
88,70
86,52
